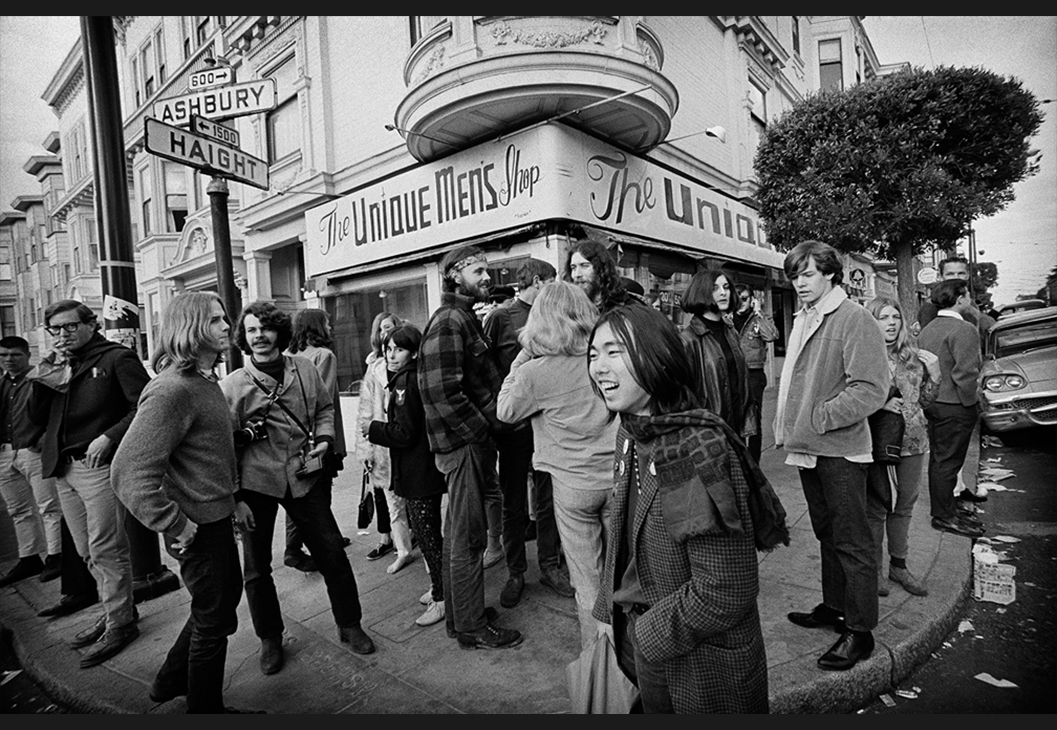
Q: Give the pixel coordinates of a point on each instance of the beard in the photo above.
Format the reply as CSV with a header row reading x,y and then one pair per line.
x,y
477,292
590,287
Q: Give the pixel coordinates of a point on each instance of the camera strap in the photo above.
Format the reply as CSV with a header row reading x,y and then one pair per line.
x,y
274,398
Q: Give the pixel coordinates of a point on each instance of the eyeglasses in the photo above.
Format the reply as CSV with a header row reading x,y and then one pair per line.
x,y
69,327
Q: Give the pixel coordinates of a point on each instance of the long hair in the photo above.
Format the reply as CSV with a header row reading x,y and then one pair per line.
x,y
376,330
903,347
184,332
559,322
656,357
698,297
310,329
270,317
610,282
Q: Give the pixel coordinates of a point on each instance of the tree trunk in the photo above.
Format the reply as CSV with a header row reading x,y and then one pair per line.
x,y
907,282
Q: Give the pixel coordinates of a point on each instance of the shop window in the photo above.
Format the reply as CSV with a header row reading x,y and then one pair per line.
x,y
830,66
352,314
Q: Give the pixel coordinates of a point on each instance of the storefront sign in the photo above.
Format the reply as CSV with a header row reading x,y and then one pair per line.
x,y
548,172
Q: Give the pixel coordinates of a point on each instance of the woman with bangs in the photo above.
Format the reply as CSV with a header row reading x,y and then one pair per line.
x,y
720,372
690,510
915,382
572,430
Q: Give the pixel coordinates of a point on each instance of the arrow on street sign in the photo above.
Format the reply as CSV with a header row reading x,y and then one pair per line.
x,y
218,76
221,102
216,132
205,154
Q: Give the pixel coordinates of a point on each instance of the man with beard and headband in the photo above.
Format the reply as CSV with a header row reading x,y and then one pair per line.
x,y
459,381
591,267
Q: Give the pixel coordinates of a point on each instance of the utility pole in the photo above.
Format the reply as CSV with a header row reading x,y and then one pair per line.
x,y
229,294
116,264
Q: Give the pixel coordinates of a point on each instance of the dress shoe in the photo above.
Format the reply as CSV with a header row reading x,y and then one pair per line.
x,y
52,568
25,568
905,578
90,635
159,693
821,616
110,644
489,637
849,649
512,591
301,561
356,638
557,582
490,615
381,550
271,655
69,604
958,526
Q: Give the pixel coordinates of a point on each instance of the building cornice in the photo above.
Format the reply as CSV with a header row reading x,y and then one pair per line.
x,y
67,81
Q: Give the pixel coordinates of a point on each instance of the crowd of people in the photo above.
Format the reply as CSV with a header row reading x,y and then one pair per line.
x,y
574,413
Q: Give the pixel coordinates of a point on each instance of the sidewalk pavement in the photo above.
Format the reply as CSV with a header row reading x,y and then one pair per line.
x,y
421,670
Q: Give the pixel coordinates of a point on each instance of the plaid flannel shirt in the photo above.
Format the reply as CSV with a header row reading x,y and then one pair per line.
x,y
457,376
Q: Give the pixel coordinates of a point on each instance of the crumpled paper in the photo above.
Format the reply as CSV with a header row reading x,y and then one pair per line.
x,y
53,370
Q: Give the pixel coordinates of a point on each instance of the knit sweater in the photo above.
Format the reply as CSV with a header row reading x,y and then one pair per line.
x,y
177,460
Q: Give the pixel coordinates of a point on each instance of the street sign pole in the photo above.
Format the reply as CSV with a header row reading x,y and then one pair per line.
x,y
229,294
120,300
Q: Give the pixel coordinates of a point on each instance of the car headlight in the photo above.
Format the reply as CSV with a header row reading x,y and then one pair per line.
x,y
999,383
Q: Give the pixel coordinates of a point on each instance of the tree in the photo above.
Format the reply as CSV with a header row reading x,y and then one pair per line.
x,y
897,165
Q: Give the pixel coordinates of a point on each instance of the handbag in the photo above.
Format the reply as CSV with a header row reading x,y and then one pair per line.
x,y
366,514
886,432
597,684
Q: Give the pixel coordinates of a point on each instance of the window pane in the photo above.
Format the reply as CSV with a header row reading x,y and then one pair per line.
x,y
829,50
284,130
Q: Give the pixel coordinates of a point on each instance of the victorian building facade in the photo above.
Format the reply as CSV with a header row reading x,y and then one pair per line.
x,y
394,138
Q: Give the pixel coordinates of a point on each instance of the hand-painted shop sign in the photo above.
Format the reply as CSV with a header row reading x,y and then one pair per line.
x,y
549,172
220,102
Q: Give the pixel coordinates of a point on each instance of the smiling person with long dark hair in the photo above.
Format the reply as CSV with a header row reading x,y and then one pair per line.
x,y
681,579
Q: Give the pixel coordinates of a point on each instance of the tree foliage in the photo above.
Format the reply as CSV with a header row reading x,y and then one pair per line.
x,y
899,164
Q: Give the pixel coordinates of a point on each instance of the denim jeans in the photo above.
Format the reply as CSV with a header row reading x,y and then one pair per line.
x,y
583,523
886,516
649,677
318,528
97,524
210,571
836,501
515,464
32,501
470,473
951,428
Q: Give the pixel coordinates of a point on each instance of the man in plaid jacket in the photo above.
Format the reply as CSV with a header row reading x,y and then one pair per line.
x,y
459,381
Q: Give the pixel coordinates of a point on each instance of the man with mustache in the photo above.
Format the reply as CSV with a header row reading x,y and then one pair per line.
x,y
591,267
459,380
283,414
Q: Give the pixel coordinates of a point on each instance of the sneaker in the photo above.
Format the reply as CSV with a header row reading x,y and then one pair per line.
x,y
557,582
434,614
25,568
381,550
492,556
957,526
426,598
490,637
52,568
905,578
110,644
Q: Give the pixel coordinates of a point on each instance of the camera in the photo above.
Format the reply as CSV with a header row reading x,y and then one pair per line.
x,y
251,432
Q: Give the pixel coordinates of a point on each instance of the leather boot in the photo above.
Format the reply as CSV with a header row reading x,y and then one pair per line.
x,y
271,655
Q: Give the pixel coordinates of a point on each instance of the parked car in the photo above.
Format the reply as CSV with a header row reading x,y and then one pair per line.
x,y
1022,306
1019,378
